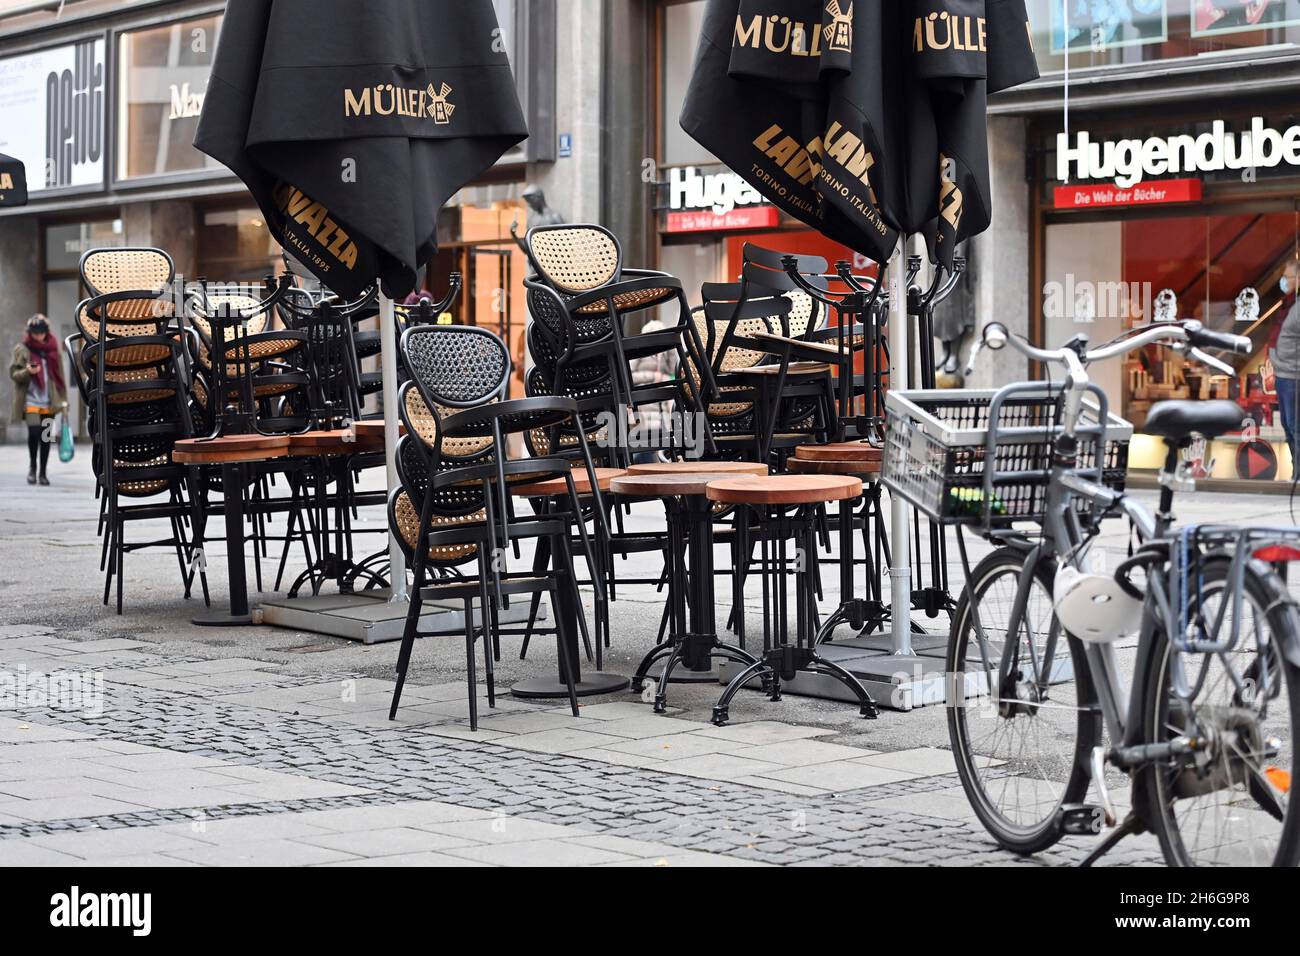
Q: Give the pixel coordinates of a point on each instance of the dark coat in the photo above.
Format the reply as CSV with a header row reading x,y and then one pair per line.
x,y
18,363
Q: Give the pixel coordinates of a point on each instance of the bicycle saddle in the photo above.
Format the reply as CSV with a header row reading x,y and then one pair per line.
x,y
1179,420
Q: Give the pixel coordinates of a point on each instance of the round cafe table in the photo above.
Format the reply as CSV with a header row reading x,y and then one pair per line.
x,y
232,453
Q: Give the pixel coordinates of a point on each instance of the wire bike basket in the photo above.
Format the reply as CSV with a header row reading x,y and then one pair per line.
x,y
984,456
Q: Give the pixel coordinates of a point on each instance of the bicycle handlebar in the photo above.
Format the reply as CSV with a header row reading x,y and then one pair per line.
x,y
1189,337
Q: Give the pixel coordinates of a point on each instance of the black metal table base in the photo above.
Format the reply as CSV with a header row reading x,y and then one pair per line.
x,y
781,658
233,508
221,619
589,685
696,653
785,662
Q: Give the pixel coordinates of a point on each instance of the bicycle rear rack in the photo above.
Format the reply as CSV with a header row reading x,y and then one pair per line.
x,y
1242,544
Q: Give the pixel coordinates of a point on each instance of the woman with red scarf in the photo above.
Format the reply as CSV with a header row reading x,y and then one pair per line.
x,y
39,391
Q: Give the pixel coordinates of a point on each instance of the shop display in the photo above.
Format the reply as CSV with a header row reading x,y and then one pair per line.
x,y
1105,24
1211,17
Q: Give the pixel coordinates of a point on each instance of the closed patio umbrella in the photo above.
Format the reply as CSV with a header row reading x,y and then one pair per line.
x,y
867,121
863,120
352,124
13,182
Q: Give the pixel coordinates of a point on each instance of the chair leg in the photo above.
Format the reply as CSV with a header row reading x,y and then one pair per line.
x,y
121,555
470,666
412,623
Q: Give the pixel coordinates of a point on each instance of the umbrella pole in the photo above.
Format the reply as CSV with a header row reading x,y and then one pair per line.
x,y
388,365
900,571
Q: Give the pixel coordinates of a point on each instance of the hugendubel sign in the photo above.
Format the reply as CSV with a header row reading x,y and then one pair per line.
x,y
1127,162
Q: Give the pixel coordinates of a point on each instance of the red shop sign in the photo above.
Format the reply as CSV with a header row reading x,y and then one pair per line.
x,y
1108,194
758,217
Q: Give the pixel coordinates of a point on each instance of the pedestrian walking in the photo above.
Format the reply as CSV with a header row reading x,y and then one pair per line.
x,y
1285,356
40,392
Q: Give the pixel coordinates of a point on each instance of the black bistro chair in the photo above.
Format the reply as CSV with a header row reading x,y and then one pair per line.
x,y
454,505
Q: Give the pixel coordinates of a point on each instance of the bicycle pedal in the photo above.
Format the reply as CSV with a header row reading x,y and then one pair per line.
x,y
1081,819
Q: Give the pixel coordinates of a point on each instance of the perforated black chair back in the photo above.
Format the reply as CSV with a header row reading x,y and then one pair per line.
x,y
456,366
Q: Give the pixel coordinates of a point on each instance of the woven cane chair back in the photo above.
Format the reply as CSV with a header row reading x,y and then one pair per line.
x,y
594,424
406,519
147,271
123,354
584,326
421,422
575,258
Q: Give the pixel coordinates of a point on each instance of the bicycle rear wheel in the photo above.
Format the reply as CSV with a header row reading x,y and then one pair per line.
x,y
1021,748
1234,807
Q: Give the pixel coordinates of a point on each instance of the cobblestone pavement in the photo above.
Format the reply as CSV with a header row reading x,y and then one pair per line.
x,y
271,747
184,765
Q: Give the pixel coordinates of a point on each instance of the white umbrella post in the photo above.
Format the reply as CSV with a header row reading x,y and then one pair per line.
x,y
388,365
900,512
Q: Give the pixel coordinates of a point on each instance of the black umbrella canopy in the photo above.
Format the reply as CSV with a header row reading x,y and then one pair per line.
x,y
861,119
13,182
352,124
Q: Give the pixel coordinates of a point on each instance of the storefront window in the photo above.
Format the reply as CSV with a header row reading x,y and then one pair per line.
x,y
235,245
682,25
65,243
163,78
1105,276
1114,32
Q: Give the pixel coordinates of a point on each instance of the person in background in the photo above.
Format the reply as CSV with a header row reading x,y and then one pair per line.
x,y
39,392
1284,353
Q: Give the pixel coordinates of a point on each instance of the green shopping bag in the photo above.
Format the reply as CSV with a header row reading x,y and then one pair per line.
x,y
67,448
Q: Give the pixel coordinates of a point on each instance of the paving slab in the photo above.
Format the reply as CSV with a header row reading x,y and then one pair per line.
x,y
921,762
758,732
839,777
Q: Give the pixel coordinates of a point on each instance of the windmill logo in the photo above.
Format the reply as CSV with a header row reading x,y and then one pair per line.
x,y
838,33
439,108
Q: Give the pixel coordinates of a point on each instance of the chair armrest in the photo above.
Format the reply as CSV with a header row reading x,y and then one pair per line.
x,y
518,415
650,280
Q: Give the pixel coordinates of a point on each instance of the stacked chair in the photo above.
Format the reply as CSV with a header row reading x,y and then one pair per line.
x,y
772,402
454,506
579,298
131,363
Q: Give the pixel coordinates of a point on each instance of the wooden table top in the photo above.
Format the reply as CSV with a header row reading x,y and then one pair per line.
x,y
230,449
840,451
699,468
664,486
337,442
862,469
558,486
784,489
371,428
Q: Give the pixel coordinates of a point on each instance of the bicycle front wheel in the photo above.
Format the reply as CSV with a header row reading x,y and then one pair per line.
x,y
1230,805
1021,743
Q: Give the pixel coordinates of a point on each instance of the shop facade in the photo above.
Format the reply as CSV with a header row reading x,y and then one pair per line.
x,y
1159,178
101,105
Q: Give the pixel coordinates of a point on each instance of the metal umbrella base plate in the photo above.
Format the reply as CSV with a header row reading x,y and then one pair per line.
x,y
591,685
221,619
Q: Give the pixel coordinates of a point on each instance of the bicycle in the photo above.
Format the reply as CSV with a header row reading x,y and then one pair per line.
x,y
1205,731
